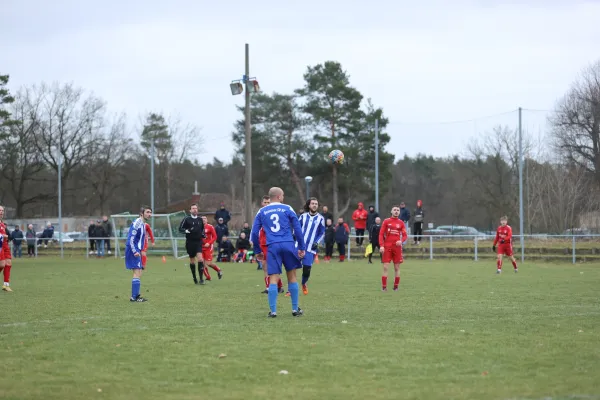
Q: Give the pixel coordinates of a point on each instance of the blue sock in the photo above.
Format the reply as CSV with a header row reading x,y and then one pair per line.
x,y
135,287
273,297
294,294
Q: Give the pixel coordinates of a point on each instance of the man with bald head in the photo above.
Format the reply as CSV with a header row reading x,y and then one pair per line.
x,y
280,222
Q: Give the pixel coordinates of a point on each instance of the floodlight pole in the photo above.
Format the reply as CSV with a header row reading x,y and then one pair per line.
x,y
152,151
521,185
248,158
377,165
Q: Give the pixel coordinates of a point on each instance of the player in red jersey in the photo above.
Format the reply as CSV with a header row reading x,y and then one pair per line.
x,y
392,236
262,241
207,249
5,256
504,241
149,235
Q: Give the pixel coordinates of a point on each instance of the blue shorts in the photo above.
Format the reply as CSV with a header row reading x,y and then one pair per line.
x,y
309,259
283,253
133,262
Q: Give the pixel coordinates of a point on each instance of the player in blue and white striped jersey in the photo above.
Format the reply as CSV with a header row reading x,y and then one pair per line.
x,y
133,251
313,232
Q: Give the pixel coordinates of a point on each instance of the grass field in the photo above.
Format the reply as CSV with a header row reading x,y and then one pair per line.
x,y
455,330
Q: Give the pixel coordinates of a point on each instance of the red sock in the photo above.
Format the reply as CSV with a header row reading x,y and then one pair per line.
x,y
267,282
514,263
206,273
214,266
499,264
279,284
342,257
7,274
396,282
384,282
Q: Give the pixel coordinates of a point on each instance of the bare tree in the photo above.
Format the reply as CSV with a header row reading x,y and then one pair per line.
x,y
576,121
21,162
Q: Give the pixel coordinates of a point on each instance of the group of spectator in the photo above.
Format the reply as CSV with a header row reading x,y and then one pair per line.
x,y
29,238
100,234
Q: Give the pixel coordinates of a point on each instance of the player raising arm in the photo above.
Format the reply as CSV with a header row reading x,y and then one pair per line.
x,y
504,241
392,236
280,223
136,238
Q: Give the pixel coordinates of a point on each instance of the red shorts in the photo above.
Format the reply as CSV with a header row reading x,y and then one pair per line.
x,y
207,253
392,253
5,253
144,259
505,249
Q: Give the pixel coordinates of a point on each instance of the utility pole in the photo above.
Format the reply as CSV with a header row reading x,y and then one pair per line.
x,y
521,185
248,127
152,151
377,165
60,223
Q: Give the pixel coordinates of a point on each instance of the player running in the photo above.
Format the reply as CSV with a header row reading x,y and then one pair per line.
x,y
5,255
136,238
392,237
149,237
207,249
262,239
193,227
313,230
504,238
280,223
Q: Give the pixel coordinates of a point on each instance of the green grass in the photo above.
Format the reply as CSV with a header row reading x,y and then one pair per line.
x,y
455,330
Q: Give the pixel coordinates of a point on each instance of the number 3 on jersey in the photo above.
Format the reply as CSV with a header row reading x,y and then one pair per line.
x,y
276,227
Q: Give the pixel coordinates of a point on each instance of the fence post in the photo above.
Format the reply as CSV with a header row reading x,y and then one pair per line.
x,y
431,247
574,258
36,247
87,248
349,242
476,242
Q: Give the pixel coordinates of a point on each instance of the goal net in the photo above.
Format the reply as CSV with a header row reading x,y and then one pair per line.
x,y
168,240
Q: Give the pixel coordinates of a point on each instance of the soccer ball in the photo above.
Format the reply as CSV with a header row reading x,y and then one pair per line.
x,y
336,157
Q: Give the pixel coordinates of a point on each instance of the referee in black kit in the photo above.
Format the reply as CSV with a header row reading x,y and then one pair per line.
x,y
193,227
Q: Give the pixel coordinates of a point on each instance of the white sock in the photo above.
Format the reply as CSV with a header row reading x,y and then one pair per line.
x,y
6,284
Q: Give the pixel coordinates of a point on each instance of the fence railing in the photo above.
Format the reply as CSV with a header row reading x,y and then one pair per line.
x,y
565,248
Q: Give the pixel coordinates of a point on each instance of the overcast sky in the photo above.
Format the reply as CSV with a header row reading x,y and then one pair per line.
x,y
425,64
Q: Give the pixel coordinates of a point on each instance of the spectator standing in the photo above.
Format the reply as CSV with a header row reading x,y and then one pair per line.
x,y
221,229
329,239
371,219
108,230
326,214
17,239
419,218
224,214
31,238
359,216
92,236
374,238
341,234
405,216
100,238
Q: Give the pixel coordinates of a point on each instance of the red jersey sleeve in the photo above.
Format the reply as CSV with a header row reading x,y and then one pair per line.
x,y
508,238
211,234
150,233
262,238
382,232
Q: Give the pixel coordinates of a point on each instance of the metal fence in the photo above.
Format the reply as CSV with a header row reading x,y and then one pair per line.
x,y
558,248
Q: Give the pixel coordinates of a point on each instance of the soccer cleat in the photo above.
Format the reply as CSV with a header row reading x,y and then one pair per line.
x,y
201,282
304,289
499,271
272,314
138,299
280,290
266,291
220,273
516,270
195,281
384,289
396,289
297,313
6,288
287,294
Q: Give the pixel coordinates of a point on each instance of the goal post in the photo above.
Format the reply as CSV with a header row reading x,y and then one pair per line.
x,y
166,233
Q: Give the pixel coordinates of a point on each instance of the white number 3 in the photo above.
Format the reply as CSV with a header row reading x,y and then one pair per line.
x,y
276,227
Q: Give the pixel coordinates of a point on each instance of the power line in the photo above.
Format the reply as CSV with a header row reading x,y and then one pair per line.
x,y
452,122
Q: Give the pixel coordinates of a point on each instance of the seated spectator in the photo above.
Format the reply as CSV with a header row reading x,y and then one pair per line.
x,y
242,245
226,250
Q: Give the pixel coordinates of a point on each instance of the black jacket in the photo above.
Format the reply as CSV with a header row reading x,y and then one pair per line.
x,y
17,236
330,234
419,215
226,247
327,216
223,213
242,244
371,218
195,226
374,235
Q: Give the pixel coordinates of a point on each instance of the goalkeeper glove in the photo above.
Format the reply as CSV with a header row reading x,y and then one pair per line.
x,y
494,248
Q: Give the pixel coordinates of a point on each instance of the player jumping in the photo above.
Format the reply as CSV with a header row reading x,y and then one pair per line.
x,y
504,239
207,249
5,255
136,238
313,230
280,223
392,237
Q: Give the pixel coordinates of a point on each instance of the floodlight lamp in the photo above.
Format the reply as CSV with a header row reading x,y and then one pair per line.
x,y
308,179
236,88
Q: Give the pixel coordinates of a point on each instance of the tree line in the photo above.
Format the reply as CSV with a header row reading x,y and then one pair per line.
x,y
105,168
